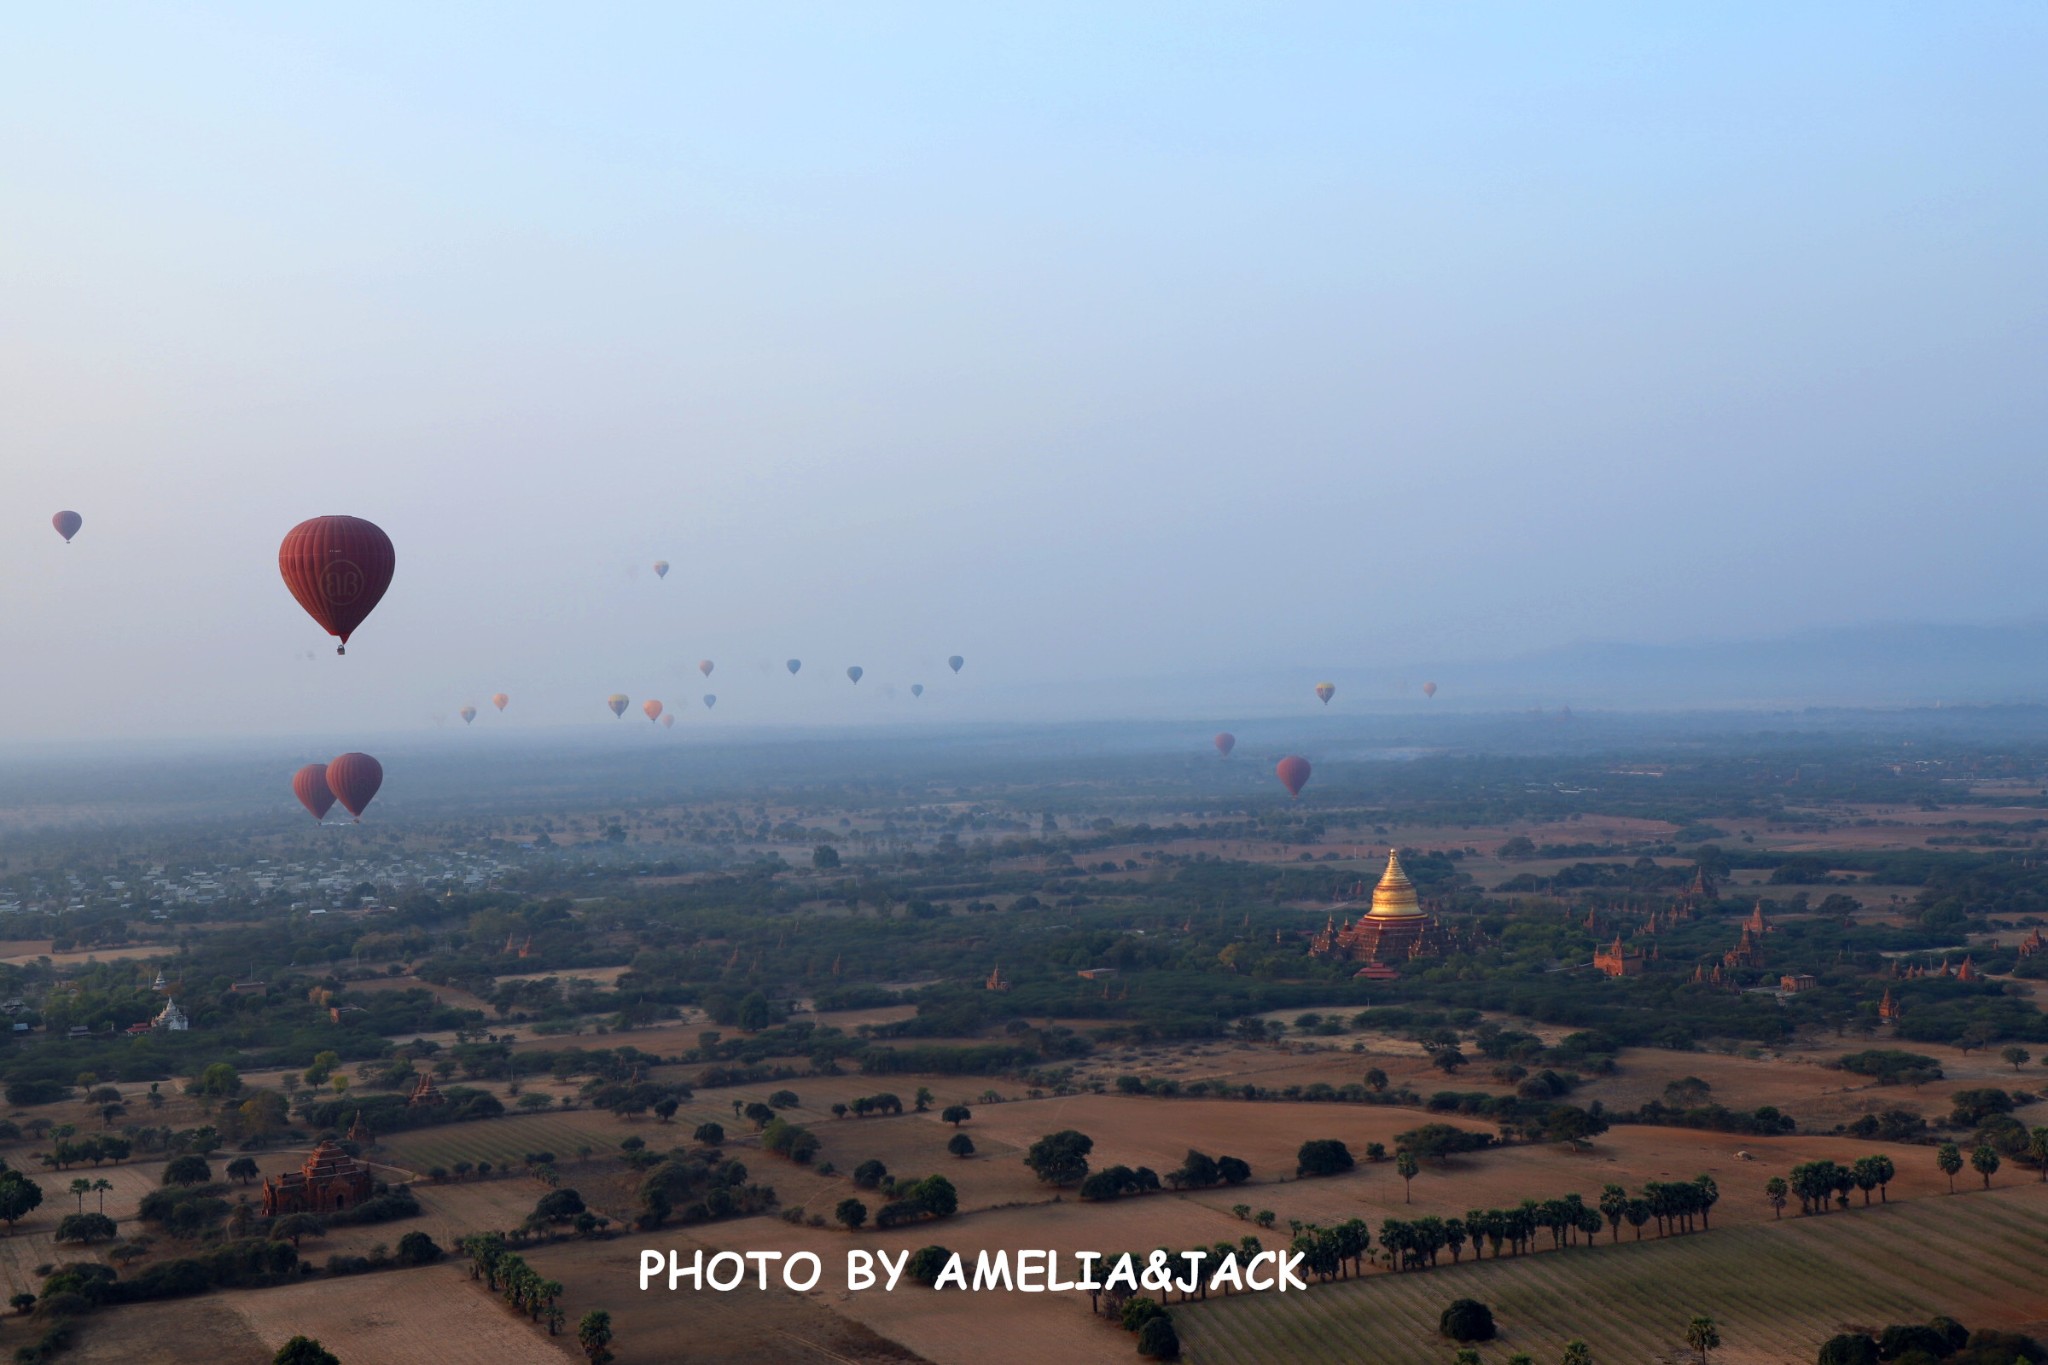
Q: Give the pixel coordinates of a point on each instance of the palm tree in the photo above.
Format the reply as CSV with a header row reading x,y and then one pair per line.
x,y
1985,1162
1950,1158
1776,1194
81,1187
1614,1207
1577,1352
1885,1171
2037,1148
1702,1335
100,1188
594,1335
1406,1166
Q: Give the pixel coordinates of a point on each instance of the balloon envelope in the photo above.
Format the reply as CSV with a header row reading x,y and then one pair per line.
x,y
705,666
67,524
668,721
499,699
468,714
793,665
1225,742
1326,691
1429,689
917,689
652,708
956,663
309,784
618,701
855,672
354,779
661,568
709,701
338,569
1293,773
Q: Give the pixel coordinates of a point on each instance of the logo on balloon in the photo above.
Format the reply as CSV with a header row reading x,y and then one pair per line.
x,y
341,582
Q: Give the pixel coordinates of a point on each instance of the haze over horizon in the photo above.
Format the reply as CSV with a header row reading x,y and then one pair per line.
x,y
1202,343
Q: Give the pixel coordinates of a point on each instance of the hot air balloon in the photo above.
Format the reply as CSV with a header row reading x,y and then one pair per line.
x,y
1293,774
652,708
855,672
956,663
710,700
1225,742
1326,691
917,689
67,524
1429,689
499,700
309,784
354,779
468,714
661,568
793,665
668,720
705,666
338,569
618,701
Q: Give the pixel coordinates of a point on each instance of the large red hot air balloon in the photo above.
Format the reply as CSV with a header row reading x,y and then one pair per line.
x,y
354,779
1225,742
67,524
309,784
338,569
1293,773
1429,689
652,709
499,699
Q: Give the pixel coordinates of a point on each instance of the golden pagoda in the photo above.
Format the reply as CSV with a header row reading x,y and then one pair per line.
x,y
1394,897
1394,930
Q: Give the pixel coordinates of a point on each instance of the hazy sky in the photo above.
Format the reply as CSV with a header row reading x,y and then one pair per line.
x,y
1091,341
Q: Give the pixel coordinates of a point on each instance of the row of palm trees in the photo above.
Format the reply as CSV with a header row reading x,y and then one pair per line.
x,y
1820,1184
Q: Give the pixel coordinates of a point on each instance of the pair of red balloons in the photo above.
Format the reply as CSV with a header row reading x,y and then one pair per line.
x,y
351,779
338,568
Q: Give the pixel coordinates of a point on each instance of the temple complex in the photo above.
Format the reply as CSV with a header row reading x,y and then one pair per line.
x,y
331,1180
425,1093
1617,960
1393,931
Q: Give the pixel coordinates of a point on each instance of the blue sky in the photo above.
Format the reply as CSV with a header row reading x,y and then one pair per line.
x,y
1089,341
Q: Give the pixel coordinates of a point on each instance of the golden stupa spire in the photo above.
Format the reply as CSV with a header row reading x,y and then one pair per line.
x,y
1394,897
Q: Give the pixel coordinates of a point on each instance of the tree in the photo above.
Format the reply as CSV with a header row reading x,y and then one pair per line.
x,y
243,1169
1702,1335
558,1206
417,1248
86,1227
709,1134
1849,1348
1406,1166
1060,1158
218,1082
1985,1162
1447,1059
2016,1056
1775,1194
304,1351
824,857
961,1145
594,1335
852,1213
1323,1156
293,1226
1577,1352
1157,1340
664,1108
922,1100
101,1188
2037,1148
956,1114
188,1170
1949,1158
18,1197
1376,1080
1467,1320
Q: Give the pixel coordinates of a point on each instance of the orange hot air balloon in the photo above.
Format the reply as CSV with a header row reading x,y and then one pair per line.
x,y
354,779
855,673
338,569
1429,689
705,666
499,700
309,784
661,568
67,524
668,720
1293,773
956,663
793,665
618,701
652,708
917,689
1225,742
1326,691
468,714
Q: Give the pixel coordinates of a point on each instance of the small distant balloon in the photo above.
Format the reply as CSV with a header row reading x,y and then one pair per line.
x,y
661,568
1225,742
618,701
309,784
710,700
338,569
917,689
652,708
1326,691
500,700
956,663
1293,773
705,666
354,779
468,714
67,524
793,665
668,720
1429,689
855,672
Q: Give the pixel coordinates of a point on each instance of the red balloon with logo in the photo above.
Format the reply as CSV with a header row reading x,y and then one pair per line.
x,y
338,569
